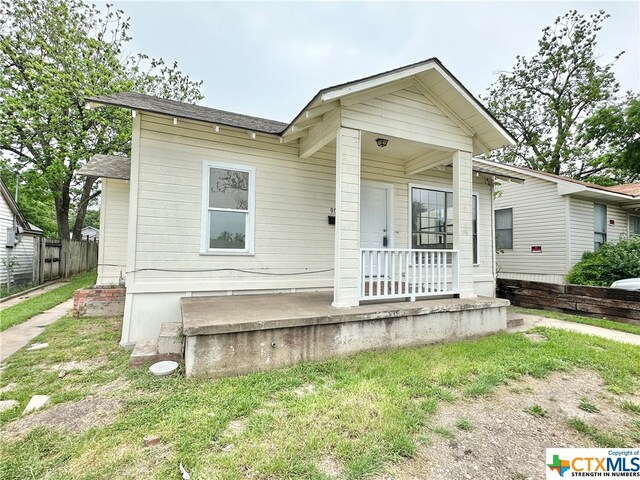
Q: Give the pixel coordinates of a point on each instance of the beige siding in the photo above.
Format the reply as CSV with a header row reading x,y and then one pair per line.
x,y
293,199
539,219
406,114
582,226
114,217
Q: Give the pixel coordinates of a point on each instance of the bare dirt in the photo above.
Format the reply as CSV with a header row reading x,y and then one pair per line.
x,y
505,441
96,410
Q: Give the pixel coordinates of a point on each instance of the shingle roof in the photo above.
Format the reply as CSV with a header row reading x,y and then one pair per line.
x,y
148,103
627,189
107,166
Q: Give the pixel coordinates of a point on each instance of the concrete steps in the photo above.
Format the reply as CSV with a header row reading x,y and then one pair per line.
x,y
168,346
514,320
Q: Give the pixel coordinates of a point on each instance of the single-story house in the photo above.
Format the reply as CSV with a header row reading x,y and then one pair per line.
x,y
18,237
90,233
369,195
544,225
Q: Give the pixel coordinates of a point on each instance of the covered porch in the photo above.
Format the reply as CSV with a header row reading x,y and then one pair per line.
x,y
422,120
232,335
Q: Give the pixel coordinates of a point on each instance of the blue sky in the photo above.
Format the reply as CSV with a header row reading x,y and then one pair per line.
x,y
269,58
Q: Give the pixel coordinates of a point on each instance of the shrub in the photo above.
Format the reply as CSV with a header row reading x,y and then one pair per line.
x,y
611,262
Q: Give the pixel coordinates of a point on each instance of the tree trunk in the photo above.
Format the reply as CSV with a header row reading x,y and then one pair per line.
x,y
62,212
82,206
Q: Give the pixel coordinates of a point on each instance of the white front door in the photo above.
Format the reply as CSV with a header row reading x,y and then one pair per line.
x,y
374,216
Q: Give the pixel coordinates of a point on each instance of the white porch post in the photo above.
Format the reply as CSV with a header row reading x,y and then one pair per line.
x,y
462,219
346,281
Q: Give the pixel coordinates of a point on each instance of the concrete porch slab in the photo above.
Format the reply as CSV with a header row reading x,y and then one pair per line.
x,y
246,313
234,335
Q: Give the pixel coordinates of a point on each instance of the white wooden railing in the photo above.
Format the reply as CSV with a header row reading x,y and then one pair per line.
x,y
407,273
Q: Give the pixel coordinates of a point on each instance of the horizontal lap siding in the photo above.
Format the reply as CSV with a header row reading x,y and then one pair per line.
x,y
391,170
293,200
582,235
539,218
114,218
22,252
406,114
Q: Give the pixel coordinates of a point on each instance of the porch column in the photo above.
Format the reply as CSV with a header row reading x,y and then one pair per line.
x,y
346,279
463,220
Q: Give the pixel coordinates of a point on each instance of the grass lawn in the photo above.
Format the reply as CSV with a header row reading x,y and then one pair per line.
x,y
596,322
25,310
365,411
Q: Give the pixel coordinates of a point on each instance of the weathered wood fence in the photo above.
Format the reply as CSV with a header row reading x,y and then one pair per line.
x,y
62,258
611,303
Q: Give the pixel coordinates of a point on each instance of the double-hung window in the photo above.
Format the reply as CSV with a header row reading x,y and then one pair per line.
x,y
432,220
599,225
228,207
634,225
504,229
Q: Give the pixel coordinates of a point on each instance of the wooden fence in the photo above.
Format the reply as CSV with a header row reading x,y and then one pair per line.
x,y
611,303
62,258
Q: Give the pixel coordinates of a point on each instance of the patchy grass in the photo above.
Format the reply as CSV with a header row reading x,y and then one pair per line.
x,y
464,424
5,292
364,411
596,322
630,406
587,406
443,432
602,439
537,411
25,310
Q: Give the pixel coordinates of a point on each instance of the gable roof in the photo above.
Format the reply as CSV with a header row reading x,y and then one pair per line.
x,y
107,166
486,128
427,72
630,191
15,210
173,108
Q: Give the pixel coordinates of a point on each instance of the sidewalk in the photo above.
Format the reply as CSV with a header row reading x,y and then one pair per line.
x,y
14,338
531,321
33,292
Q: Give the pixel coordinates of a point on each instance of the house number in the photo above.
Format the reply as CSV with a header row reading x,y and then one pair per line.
x,y
332,211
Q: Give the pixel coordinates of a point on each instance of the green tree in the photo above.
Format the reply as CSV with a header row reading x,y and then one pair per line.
x,y
54,53
615,131
545,100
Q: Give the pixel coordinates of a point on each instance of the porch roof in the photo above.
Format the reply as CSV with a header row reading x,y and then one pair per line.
x,y
107,166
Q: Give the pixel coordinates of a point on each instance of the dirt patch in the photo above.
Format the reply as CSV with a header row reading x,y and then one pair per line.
x,y
235,427
330,467
536,337
84,365
503,441
75,417
97,410
304,390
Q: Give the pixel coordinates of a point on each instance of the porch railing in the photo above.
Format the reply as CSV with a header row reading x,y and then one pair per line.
x,y
407,273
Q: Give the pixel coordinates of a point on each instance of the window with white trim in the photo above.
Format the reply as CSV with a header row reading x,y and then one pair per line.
x,y
432,220
599,225
634,225
504,229
228,209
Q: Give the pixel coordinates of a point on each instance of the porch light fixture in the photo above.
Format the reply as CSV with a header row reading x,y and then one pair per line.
x,y
382,142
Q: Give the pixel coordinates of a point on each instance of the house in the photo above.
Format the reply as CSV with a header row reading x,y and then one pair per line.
x,y
369,194
544,225
90,233
18,238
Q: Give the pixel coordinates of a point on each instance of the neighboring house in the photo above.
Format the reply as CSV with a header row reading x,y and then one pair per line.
x,y
17,237
90,233
545,225
373,179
